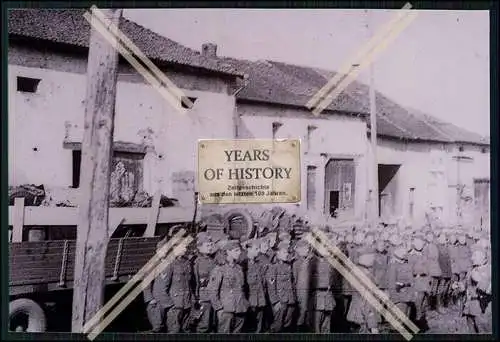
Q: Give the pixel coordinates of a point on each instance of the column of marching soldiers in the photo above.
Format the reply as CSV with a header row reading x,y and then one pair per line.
x,y
279,283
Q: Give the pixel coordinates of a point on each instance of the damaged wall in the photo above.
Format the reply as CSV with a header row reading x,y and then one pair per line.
x,y
40,122
328,137
431,169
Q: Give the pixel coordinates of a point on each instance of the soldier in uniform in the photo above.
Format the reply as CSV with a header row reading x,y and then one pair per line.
x,y
380,266
419,266
227,293
431,253
341,292
368,243
362,313
266,256
322,285
178,278
400,280
349,249
359,239
465,254
446,273
394,243
301,277
256,287
455,258
220,254
203,265
279,280
477,308
156,298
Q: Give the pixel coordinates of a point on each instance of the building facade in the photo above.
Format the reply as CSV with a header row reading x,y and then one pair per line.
x,y
425,167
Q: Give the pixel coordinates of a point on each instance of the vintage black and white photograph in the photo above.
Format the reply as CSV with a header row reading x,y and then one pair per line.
x,y
111,228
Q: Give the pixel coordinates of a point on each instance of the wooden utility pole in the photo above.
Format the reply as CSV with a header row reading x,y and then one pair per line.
x,y
373,131
92,231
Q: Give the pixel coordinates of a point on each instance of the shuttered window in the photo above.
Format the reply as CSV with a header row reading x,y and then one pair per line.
x,y
126,174
339,185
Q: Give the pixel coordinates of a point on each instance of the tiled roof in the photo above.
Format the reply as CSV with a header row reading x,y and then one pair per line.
x,y
269,81
276,82
68,26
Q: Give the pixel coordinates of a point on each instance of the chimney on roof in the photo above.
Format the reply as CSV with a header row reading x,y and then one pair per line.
x,y
209,49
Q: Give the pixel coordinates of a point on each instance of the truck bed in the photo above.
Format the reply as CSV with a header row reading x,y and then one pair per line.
x,y
49,265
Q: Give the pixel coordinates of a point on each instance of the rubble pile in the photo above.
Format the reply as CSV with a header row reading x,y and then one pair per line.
x,y
39,195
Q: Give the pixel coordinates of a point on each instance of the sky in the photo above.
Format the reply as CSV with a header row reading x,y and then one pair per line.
x,y
439,64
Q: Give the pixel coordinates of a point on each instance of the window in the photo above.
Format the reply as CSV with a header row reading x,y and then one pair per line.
x,y
412,202
310,130
311,187
126,174
185,104
460,148
276,126
27,84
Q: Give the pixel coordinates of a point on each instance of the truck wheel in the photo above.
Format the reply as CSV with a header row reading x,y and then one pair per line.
x,y
27,315
243,228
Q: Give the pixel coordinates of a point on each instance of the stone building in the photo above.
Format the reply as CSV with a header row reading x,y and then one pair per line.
x,y
425,165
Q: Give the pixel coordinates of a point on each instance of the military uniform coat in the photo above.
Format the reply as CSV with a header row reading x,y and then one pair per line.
x,y
279,280
472,305
431,253
322,285
380,269
301,277
352,254
256,284
158,290
454,253
361,312
400,273
420,270
226,288
179,281
444,261
465,255
203,266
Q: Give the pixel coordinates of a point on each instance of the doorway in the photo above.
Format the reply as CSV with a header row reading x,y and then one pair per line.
x,y
482,201
340,181
334,203
388,187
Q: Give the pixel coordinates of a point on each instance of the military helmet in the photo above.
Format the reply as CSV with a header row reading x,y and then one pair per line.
x,y
349,238
478,258
395,240
418,244
400,253
452,238
231,244
359,237
366,260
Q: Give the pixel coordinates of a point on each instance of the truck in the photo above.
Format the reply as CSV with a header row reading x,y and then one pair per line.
x,y
41,271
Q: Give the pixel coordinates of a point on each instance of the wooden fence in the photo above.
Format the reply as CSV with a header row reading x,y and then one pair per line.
x,y
21,216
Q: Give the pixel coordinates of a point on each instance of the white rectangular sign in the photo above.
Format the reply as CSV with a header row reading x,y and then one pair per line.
x,y
249,171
